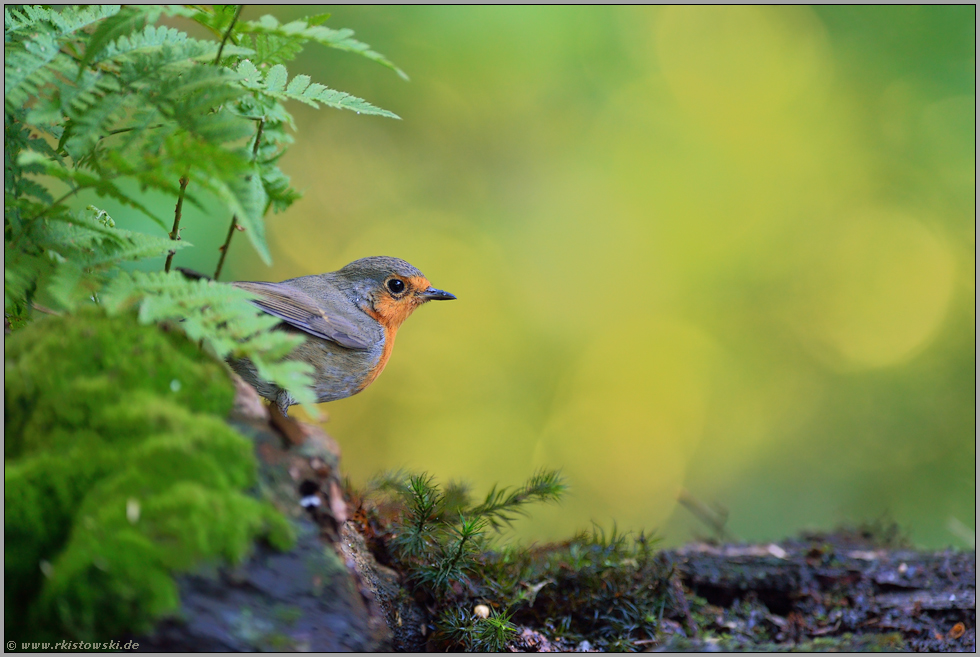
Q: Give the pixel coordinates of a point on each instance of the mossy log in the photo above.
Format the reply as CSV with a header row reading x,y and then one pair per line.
x,y
147,499
306,598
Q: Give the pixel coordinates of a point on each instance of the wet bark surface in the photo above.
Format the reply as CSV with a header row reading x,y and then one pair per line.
x,y
833,591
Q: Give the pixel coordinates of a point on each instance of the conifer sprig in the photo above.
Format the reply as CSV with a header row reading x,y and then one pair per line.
x,y
607,587
440,532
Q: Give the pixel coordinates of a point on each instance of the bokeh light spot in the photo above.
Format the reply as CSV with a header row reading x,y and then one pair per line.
x,y
876,292
635,405
738,66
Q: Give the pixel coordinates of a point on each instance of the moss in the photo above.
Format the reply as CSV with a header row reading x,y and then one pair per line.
x,y
116,477
92,362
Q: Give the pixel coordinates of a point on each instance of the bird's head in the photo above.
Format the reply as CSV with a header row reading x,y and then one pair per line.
x,y
388,289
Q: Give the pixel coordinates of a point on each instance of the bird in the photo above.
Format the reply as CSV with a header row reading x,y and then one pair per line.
x,y
349,318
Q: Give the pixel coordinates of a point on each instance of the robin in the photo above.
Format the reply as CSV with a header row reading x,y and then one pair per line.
x,y
350,318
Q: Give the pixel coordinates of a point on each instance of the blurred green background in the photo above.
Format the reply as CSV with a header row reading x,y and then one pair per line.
x,y
721,249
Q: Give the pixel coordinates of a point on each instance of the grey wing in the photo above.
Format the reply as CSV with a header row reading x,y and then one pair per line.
x,y
299,309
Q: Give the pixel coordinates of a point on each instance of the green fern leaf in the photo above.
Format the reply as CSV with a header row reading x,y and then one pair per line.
x,y
73,18
220,315
64,283
317,19
248,75
22,18
272,49
21,64
130,19
293,375
28,187
156,38
275,79
341,100
247,200
21,272
303,30
135,246
91,115
300,89
298,85
276,183
65,22
79,180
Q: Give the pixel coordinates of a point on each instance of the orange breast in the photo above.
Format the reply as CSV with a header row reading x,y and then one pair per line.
x,y
385,355
390,313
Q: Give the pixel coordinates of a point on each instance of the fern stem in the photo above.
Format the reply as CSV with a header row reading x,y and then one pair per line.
x,y
234,220
224,247
122,130
224,39
175,233
44,309
258,138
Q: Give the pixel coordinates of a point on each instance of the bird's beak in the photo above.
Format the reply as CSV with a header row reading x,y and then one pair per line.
x,y
431,294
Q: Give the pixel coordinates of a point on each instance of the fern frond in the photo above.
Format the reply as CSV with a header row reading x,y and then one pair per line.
x,y
193,101
21,65
91,233
64,283
293,375
22,18
146,68
272,50
233,179
57,24
93,108
128,102
276,184
156,38
28,187
130,247
274,84
309,29
21,272
221,315
68,254
126,21
26,59
17,187
337,99
79,180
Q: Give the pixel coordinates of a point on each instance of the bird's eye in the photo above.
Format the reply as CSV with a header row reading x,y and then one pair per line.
x,y
396,286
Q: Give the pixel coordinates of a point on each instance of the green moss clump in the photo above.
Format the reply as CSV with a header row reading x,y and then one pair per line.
x,y
62,373
119,472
